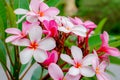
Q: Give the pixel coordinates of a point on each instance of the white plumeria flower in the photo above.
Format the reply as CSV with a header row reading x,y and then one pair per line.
x,y
80,66
38,10
36,46
67,26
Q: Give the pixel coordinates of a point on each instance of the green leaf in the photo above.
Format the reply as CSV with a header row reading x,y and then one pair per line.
x,y
100,26
115,43
2,32
2,53
52,2
114,60
11,16
37,73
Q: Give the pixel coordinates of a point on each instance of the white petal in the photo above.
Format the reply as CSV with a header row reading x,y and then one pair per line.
x,y
81,31
21,42
35,33
26,55
66,58
63,29
32,19
87,71
74,71
47,44
11,38
76,53
70,77
21,19
20,11
55,71
40,55
89,59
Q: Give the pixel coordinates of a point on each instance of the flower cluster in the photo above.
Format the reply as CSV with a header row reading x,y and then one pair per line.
x,y
43,36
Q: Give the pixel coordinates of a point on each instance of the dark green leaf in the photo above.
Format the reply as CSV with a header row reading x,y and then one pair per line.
x,y
114,60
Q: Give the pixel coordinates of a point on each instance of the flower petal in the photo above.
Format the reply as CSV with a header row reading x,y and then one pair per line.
x,y
32,19
21,42
87,71
74,71
70,77
11,38
20,11
76,53
52,11
55,71
62,28
13,31
26,55
35,33
103,76
113,51
88,59
21,19
47,44
103,66
79,30
34,5
66,58
43,7
40,55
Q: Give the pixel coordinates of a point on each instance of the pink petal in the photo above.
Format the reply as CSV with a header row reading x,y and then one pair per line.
x,y
46,24
40,55
95,63
26,55
105,38
21,42
76,21
76,53
32,19
88,59
34,5
55,71
90,24
47,44
11,38
113,51
52,11
103,76
74,71
13,31
35,33
87,71
67,59
103,66
20,11
70,77
43,7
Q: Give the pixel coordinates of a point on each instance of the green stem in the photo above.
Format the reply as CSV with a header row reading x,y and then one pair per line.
x,y
17,65
41,73
8,53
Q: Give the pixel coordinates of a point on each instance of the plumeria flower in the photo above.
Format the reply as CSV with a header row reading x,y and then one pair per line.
x,y
80,66
105,46
52,58
36,46
66,26
51,28
99,69
57,74
88,24
17,34
38,10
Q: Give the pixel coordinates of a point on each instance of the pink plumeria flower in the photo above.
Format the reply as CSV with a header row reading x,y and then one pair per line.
x,y
57,74
66,26
51,28
36,46
52,58
99,69
80,66
17,34
86,24
38,10
106,48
